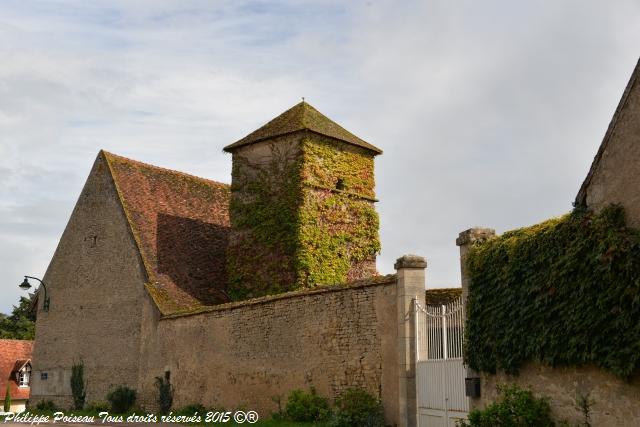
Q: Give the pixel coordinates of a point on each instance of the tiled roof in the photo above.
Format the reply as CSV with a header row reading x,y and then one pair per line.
x,y
181,225
302,117
20,364
12,351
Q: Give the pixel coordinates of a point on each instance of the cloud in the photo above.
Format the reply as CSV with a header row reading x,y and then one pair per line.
x,y
489,114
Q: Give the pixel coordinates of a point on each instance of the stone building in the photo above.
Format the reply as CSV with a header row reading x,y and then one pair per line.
x,y
241,292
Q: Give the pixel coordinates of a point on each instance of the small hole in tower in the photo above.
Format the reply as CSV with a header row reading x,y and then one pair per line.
x,y
340,184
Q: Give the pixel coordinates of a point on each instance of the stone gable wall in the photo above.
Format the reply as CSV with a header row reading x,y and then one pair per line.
x,y
615,175
95,282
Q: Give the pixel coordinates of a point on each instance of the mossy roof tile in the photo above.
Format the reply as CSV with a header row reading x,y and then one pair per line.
x,y
302,116
181,225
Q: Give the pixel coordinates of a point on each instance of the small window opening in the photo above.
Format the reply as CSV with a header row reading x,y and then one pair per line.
x,y
93,240
23,377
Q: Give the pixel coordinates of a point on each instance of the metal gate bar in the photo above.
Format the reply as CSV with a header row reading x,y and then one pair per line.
x,y
440,370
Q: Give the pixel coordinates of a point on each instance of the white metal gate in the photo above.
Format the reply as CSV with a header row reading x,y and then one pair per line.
x,y
440,371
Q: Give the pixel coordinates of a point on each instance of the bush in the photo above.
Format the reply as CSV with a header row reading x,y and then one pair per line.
x,y
165,393
7,399
306,407
97,407
78,386
516,407
122,399
46,406
191,409
357,408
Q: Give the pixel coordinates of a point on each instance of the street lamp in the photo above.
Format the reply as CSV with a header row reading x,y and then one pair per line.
x,y
25,285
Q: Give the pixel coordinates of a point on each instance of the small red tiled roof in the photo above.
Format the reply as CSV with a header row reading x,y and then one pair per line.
x,y
20,364
181,225
12,352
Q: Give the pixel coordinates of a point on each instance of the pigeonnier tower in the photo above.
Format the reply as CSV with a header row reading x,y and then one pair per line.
x,y
302,206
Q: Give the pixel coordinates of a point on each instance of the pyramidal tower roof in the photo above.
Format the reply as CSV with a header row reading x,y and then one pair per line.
x,y
302,116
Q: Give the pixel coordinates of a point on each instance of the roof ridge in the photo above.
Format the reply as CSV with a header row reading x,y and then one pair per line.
x,y
108,154
125,211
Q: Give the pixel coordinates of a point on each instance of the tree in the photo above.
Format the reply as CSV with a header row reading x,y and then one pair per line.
x,y
7,399
165,392
78,386
20,325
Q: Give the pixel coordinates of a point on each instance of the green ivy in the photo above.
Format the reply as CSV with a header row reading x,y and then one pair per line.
x,y
264,216
294,226
338,228
563,292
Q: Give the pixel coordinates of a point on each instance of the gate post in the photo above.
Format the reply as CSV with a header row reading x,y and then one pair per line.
x,y
410,286
464,241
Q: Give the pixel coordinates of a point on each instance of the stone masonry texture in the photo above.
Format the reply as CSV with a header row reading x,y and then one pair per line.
x,y
252,355
95,315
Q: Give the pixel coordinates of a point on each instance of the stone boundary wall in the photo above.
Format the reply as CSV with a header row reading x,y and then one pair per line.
x,y
615,402
252,354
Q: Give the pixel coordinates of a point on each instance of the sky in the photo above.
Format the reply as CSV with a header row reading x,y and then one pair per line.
x,y
489,113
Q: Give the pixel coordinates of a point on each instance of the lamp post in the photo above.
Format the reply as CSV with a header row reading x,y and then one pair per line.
x,y
25,285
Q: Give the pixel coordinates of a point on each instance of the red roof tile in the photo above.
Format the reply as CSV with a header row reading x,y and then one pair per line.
x,y
12,351
181,225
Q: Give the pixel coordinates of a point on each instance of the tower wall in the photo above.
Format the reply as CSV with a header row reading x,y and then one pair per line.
x,y
264,206
338,234
302,215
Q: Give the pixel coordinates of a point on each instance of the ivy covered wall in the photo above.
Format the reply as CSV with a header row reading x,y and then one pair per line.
x,y
338,232
302,215
264,207
563,292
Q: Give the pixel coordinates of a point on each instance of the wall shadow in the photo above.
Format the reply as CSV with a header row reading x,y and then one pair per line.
x,y
192,254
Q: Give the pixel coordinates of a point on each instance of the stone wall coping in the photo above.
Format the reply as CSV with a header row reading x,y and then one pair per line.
x,y
474,234
410,261
388,279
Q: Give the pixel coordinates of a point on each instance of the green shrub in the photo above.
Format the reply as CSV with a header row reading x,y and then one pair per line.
x,y
191,409
46,406
357,408
7,399
307,407
515,408
165,393
97,407
122,399
78,385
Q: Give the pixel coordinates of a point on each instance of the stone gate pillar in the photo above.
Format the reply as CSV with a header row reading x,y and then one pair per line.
x,y
465,240
410,286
